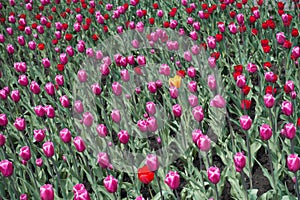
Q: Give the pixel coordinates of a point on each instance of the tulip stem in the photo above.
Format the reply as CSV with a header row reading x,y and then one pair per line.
x,y
207,158
72,152
115,196
150,191
244,184
271,164
58,178
249,157
158,182
13,186
217,193
176,194
296,185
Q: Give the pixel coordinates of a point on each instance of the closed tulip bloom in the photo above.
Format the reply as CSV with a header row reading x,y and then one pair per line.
x,y
241,81
123,136
191,72
88,119
151,124
177,110
252,68
239,161
232,28
142,125
2,140
139,198
110,184
240,19
293,162
187,56
25,153
116,116
50,89
23,197
152,162
165,70
15,96
78,187
280,37
22,80
20,124
211,82
172,180
46,192
59,79
152,87
70,51
296,52
289,131
125,75
39,135
82,195
203,143
218,102
102,130
211,42
78,106
35,88
48,149
293,94
289,86
193,100
46,62
65,135
82,75
10,49
245,122
192,86
64,101
6,168
287,108
32,45
265,132
269,100
173,92
213,174
79,144
196,135
39,162
150,108
3,94
141,60
3,120
117,88
198,113
50,112
103,160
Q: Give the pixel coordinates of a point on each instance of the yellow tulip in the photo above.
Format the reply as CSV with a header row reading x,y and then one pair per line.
x,y
176,81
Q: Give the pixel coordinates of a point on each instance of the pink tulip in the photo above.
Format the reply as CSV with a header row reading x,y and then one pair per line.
x,y
187,56
27,30
240,19
59,79
152,87
2,38
78,106
123,136
211,42
82,75
221,27
25,153
2,140
194,35
150,108
50,112
203,143
79,144
46,192
46,62
241,81
269,100
198,113
23,197
289,131
239,161
232,28
160,13
172,180
50,89
245,122
211,82
22,80
287,108
10,49
293,162
296,52
48,149
193,100
289,86
102,130
82,195
141,60
293,94
64,101
142,125
70,51
125,75
196,135
165,70
65,135
103,160
192,86
15,96
173,92
191,72
39,135
32,45
218,102
20,124
21,40
151,124
176,110
213,174
116,116
6,168
35,88
280,37
252,68
3,94
110,184
265,132
88,119
152,162
139,198
39,162
117,88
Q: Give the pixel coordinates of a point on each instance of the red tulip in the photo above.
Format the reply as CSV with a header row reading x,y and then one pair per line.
x,y
145,175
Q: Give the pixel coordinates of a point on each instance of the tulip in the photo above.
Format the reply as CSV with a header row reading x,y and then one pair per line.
x,y
152,162
65,135
2,140
293,94
25,153
287,108
50,112
213,174
39,162
32,45
82,195
59,79
151,124
3,94
64,101
191,72
160,13
123,136
82,76
172,180
141,60
211,82
15,96
34,87
116,116
117,88
125,75
165,70
280,37
48,149
218,102
289,86
176,110
23,197
245,122
192,86
232,28
110,184
240,19
211,42
198,113
10,49
102,130
145,175
6,168
21,40
239,161
176,81
289,131
39,135
79,144
193,100
22,80
269,100
265,132
139,198
103,160
46,62
142,125
203,143
150,108
252,68
3,120
173,92
152,87
46,192
49,88
187,56
88,119
241,81
20,124
196,134
293,162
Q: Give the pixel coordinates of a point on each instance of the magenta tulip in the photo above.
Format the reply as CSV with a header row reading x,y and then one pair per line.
x,y
103,160
172,180
269,100
265,132
152,162
65,135
239,161
6,168
123,136
213,174
218,102
110,184
203,143
48,149
177,110
39,135
79,144
102,130
293,162
245,122
46,192
20,124
287,108
25,153
198,113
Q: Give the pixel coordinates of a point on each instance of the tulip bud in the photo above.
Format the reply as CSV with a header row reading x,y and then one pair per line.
x,y
48,149
46,192
116,116
269,100
152,162
3,120
59,79
23,197
25,153
49,88
110,184
245,122
241,81
198,113
102,130
15,96
88,119
65,135
265,132
192,86
173,92
239,161
289,131
211,82
82,76
152,87
287,108
123,136
191,72
177,110
20,124
39,135
172,180
218,102
64,101
151,124
79,144
142,125
293,162
213,174
50,112
22,80
150,108
125,75
39,162
6,168
117,88
103,160
193,100
35,88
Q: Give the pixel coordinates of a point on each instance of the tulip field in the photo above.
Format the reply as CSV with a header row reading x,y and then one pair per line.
x,y
162,100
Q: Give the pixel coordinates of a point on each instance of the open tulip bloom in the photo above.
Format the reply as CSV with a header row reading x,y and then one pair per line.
x,y
137,99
